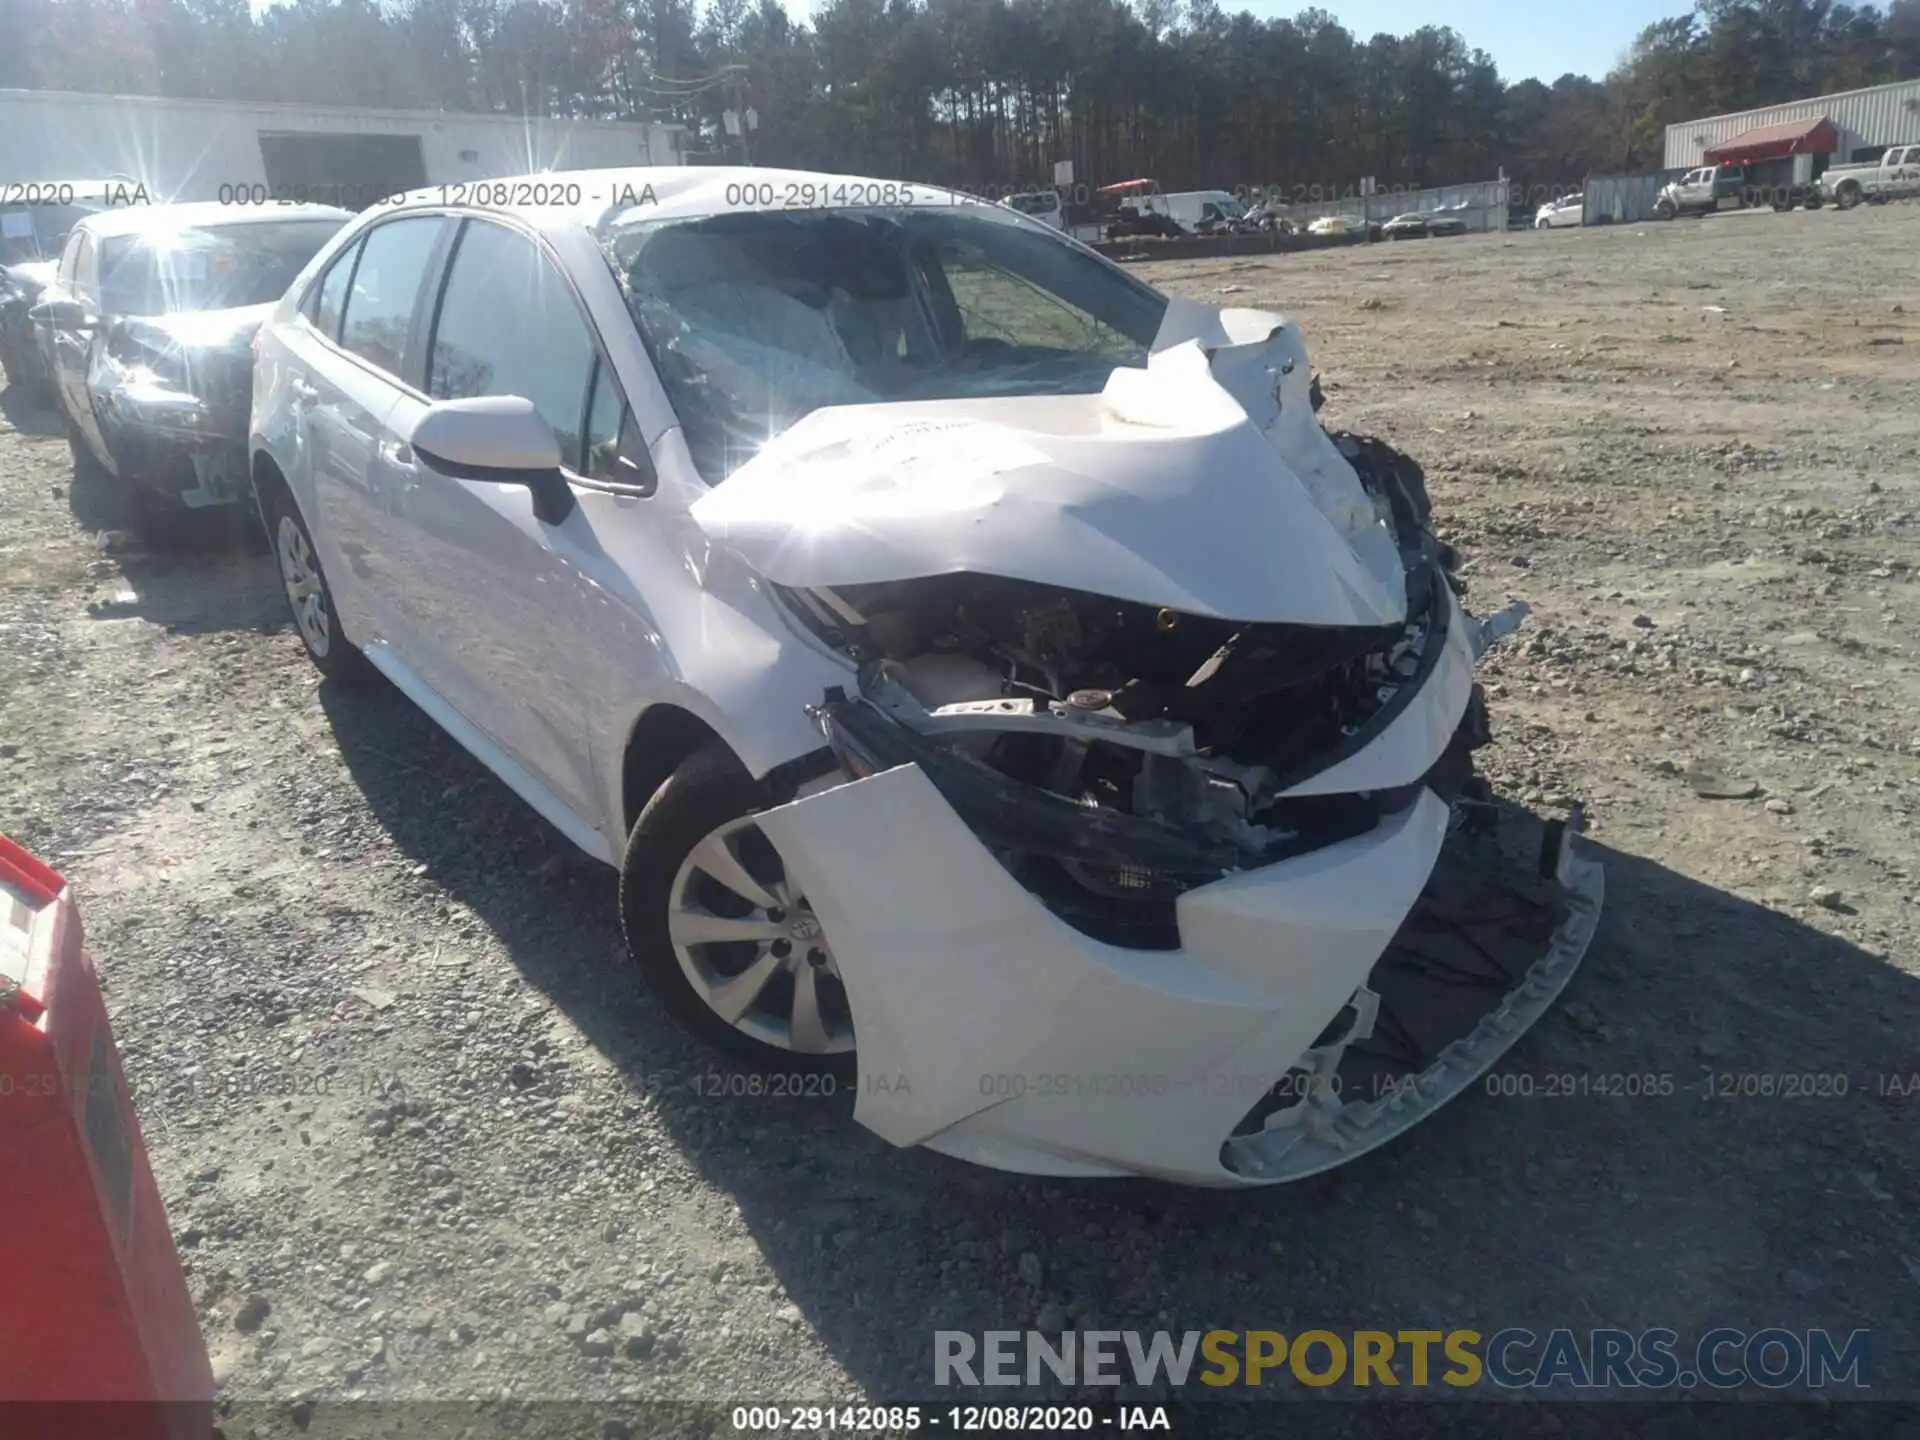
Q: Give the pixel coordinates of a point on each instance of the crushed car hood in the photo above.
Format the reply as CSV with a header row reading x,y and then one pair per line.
x,y
209,329
1202,482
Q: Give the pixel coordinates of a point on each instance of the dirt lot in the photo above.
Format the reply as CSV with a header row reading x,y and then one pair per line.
x,y
421,1135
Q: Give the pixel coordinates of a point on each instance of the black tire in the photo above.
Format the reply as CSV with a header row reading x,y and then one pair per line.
x,y
326,644
709,789
1663,211
1848,195
88,469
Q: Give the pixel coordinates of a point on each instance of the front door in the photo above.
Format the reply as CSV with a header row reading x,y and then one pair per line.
x,y
497,599
73,347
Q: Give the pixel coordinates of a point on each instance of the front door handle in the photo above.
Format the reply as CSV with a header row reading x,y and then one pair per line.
x,y
398,454
303,393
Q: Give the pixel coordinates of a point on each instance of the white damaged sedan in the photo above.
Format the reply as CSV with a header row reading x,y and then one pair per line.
x,y
998,691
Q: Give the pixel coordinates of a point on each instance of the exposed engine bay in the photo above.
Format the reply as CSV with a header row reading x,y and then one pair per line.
x,y
1186,730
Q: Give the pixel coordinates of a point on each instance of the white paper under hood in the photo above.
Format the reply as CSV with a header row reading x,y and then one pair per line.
x,y
1202,482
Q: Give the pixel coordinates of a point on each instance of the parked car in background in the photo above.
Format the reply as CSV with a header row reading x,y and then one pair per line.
x,y
1042,205
1420,225
149,322
1335,225
1894,176
35,220
1560,214
742,544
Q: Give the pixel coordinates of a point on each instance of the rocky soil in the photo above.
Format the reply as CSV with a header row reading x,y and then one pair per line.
x,y
421,1136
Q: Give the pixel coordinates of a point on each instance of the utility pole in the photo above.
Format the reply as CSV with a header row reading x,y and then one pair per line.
x,y
740,108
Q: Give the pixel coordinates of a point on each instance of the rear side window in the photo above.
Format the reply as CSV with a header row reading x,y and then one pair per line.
x,y
328,298
386,282
509,325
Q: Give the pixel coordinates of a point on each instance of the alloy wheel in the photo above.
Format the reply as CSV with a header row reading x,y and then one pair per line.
x,y
751,947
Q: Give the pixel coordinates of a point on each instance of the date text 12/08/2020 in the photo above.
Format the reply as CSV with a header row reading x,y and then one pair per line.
x,y
880,1420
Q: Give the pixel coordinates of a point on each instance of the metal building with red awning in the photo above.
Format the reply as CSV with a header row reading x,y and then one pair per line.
x,y
1845,125
1815,136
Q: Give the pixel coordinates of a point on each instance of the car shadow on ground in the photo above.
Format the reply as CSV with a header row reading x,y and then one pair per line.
x,y
1716,1126
191,572
30,415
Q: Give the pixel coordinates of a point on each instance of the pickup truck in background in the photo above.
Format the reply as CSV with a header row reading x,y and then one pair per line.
x,y
1894,176
1739,187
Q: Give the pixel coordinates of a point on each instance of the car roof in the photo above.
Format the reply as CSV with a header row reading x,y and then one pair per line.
x,y
565,199
199,214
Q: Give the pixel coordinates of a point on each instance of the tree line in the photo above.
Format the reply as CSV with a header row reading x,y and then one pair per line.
x,y
985,93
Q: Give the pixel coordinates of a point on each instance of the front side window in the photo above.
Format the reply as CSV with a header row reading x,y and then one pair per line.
x,y
615,449
509,325
384,287
215,267
753,320
69,270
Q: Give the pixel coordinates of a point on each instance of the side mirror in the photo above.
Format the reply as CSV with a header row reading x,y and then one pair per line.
x,y
496,439
63,315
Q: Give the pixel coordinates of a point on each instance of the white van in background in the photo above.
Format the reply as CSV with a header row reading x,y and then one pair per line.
x,y
1042,205
1193,208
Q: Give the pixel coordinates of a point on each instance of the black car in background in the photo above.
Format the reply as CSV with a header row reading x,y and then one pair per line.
x,y
1423,224
149,325
35,220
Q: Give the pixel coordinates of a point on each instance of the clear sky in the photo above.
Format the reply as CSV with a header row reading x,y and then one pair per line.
x,y
1541,39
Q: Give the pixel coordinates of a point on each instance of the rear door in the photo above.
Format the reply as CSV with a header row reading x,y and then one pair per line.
x,y
351,355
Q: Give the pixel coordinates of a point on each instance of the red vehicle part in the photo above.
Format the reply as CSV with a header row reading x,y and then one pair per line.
x,y
93,1304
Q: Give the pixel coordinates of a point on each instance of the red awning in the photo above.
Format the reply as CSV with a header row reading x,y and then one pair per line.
x,y
1125,185
1773,142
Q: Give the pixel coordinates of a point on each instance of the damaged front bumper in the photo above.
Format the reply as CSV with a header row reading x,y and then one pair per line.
x,y
991,1030
1318,991
176,447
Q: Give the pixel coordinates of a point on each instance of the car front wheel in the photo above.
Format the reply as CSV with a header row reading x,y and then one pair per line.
x,y
721,932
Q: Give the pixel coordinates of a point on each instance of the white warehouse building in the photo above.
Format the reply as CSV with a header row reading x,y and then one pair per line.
x,y
248,152
1858,125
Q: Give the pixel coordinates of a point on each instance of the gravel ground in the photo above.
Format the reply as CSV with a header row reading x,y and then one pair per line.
x,y
421,1135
